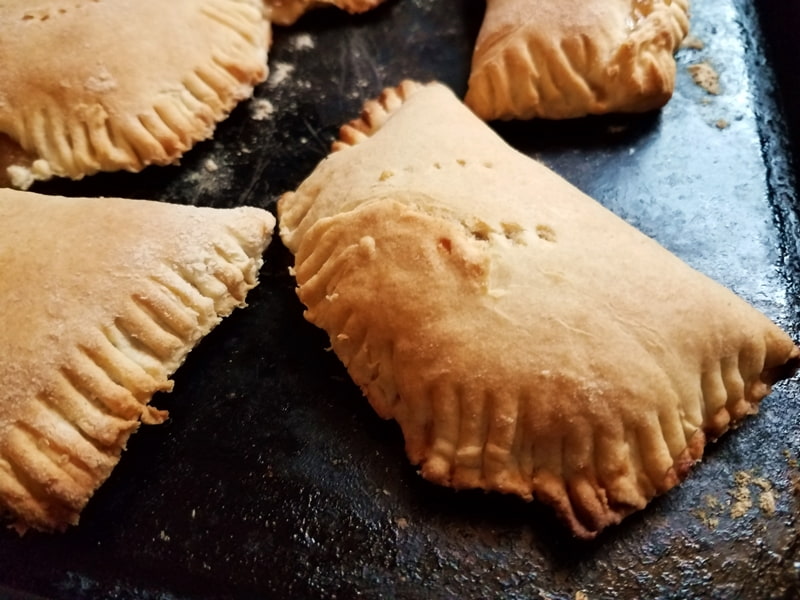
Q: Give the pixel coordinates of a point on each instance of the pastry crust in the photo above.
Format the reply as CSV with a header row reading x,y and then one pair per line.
x,y
102,300
525,338
561,59
287,12
109,85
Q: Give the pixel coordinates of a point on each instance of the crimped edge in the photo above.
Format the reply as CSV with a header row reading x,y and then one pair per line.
x,y
375,113
94,139
71,436
287,12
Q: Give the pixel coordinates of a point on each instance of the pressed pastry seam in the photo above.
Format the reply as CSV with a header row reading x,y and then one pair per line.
x,y
34,437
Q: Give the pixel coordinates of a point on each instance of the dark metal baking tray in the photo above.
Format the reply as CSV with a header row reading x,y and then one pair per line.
x,y
274,479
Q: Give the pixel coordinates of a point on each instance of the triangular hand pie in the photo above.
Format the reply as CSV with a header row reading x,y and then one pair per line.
x,y
559,59
525,338
102,299
286,12
105,86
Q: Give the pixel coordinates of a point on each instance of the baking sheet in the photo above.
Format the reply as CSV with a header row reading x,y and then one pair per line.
x,y
273,477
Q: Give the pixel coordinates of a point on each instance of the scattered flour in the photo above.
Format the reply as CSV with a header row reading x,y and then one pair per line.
x,y
280,73
303,41
22,177
261,109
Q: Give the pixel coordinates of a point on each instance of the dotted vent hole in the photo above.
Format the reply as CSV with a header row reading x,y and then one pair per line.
x,y
546,233
513,232
45,14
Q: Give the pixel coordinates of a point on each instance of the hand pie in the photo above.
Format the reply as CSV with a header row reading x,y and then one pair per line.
x,y
102,86
102,299
559,59
286,12
525,338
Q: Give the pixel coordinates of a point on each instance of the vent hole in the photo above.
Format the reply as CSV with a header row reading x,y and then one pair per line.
x,y
479,230
513,232
546,233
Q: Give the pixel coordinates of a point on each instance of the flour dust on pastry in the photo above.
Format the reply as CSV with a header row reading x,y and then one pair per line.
x,y
525,338
102,299
560,59
287,12
106,85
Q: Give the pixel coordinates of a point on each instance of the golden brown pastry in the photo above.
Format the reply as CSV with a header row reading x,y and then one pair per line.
x,y
102,299
286,12
525,338
120,84
559,59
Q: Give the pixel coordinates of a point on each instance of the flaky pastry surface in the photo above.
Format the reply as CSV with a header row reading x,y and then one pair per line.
x,y
525,338
105,85
559,59
102,299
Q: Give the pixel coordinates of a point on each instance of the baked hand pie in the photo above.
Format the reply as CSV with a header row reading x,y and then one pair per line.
x,y
558,59
286,12
102,299
120,84
525,338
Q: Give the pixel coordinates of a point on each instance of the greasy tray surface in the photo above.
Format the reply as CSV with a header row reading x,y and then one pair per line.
x,y
274,478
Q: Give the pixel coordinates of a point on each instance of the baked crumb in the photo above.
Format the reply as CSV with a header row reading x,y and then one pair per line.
x,y
709,520
766,502
742,478
704,75
722,124
692,42
742,503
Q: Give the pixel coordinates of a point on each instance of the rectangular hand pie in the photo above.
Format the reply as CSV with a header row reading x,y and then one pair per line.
x,y
102,299
525,338
106,86
559,59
